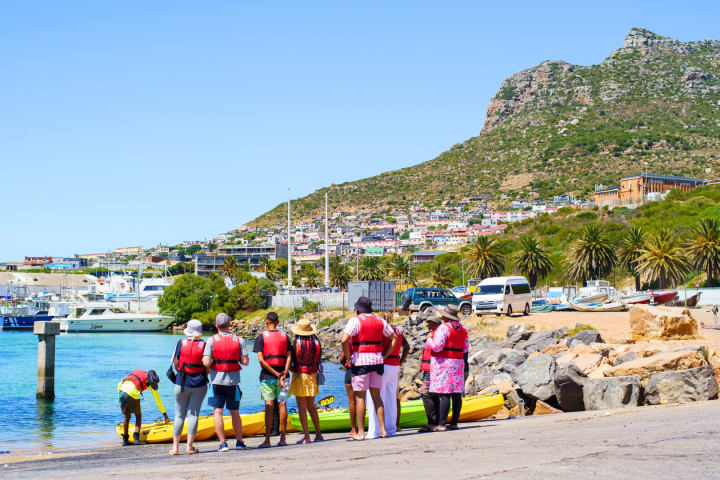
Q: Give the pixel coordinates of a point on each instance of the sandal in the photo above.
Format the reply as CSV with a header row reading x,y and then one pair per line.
x,y
440,429
174,453
192,452
425,430
453,427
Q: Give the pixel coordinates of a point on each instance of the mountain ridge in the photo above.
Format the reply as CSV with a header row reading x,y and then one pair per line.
x,y
558,128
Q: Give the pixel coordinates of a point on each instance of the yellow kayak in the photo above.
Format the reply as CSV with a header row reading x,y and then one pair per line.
x,y
480,406
253,424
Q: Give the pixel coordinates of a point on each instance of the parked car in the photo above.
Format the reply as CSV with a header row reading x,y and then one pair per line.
x,y
459,291
420,299
502,295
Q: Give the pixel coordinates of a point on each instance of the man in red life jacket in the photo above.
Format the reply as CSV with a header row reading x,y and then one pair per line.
x,y
366,360
389,387
129,389
274,350
224,354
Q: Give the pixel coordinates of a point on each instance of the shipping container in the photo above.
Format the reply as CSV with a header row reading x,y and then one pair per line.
x,y
381,293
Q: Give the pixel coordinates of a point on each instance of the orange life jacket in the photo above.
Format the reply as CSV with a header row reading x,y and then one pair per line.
x,y
274,347
226,353
139,378
307,355
454,344
369,338
191,353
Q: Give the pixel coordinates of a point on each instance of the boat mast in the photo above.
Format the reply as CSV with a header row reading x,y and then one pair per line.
x,y
289,248
327,254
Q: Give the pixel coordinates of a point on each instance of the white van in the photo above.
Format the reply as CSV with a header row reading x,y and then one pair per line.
x,y
502,295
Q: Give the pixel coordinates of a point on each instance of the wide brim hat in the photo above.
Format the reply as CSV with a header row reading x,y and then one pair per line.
x,y
193,328
304,328
446,312
363,305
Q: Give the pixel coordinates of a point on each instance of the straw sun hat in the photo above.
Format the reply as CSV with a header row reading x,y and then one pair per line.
x,y
304,328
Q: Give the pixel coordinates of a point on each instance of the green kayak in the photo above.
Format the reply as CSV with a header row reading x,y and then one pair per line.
x,y
412,416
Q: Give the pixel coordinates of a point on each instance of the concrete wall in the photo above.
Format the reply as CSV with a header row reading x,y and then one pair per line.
x,y
330,300
708,296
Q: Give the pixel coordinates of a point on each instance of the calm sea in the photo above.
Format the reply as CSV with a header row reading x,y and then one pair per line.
x,y
88,368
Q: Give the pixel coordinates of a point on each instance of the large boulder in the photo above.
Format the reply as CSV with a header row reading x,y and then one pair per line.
x,y
587,337
587,362
542,408
554,349
606,393
510,342
569,382
512,399
536,377
655,323
624,358
693,385
662,362
515,329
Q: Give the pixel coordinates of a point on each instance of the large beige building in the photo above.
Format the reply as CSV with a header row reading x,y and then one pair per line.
x,y
129,251
634,189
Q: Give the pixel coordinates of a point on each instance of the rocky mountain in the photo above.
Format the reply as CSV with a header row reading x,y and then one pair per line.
x,y
556,128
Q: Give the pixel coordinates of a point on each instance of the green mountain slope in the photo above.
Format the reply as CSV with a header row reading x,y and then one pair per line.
x,y
652,105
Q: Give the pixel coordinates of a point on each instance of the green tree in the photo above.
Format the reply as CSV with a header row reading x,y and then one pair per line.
x,y
703,249
269,267
340,273
244,297
662,259
229,267
312,276
592,254
484,258
532,259
441,276
630,248
187,295
399,268
192,250
371,268
405,235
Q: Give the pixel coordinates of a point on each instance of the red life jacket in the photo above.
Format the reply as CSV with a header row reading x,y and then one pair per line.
x,y
307,361
425,364
191,353
139,378
454,344
226,353
274,347
394,357
369,339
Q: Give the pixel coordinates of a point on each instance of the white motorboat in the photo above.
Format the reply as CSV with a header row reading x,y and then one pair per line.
x,y
596,291
149,287
637,297
110,317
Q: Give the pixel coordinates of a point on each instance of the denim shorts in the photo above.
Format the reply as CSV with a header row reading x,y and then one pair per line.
x,y
225,396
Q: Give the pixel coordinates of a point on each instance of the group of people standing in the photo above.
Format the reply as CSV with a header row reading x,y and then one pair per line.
x,y
372,352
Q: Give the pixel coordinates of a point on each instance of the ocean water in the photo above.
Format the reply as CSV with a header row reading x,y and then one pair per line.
x,y
88,367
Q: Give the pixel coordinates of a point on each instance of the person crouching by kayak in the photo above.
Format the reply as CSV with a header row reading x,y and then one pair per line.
x,y
431,401
224,353
306,358
448,344
129,389
366,360
190,385
273,349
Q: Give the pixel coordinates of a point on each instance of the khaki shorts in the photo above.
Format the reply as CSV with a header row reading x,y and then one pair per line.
x,y
129,405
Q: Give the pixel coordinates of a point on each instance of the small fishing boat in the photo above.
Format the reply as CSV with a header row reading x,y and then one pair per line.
x,y
600,307
659,298
678,302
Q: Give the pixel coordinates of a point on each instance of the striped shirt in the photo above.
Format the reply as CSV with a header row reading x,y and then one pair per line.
x,y
366,358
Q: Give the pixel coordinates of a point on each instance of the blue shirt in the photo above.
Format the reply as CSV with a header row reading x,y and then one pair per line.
x,y
192,380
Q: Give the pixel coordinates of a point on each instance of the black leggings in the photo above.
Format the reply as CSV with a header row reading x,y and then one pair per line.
x,y
444,408
431,402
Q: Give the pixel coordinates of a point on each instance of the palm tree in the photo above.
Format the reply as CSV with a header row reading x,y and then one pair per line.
x,y
704,248
399,268
371,268
532,259
269,267
662,259
484,258
591,254
441,276
630,249
229,267
340,273
312,276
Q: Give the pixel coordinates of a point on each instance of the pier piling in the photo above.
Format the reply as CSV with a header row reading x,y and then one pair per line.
x,y
46,332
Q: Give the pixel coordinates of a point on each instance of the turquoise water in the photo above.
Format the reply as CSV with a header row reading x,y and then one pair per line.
x,y
87,370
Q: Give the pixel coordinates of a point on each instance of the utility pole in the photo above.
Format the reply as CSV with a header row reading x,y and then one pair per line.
x,y
289,256
327,246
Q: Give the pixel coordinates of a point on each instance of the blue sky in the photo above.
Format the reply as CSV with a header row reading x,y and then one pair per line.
x,y
138,123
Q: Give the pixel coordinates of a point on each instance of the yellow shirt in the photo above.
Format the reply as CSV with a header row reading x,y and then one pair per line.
x,y
127,386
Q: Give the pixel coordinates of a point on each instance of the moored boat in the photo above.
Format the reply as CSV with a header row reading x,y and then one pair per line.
x,y
600,307
110,317
638,297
